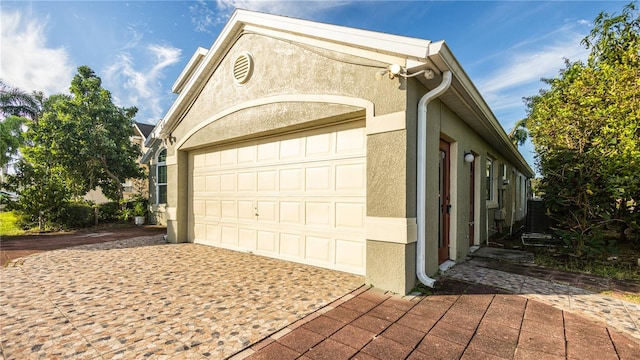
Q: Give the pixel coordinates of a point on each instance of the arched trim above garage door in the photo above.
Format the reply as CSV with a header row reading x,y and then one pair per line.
x,y
288,98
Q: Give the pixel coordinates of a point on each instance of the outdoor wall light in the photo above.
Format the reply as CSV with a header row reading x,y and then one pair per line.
x,y
469,157
395,70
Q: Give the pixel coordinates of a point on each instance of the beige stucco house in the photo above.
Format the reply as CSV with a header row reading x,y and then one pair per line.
x,y
347,149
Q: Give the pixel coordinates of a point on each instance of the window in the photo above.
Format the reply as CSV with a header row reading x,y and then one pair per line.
x,y
161,177
490,182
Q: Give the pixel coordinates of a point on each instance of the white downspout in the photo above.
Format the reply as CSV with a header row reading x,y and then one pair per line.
x,y
422,176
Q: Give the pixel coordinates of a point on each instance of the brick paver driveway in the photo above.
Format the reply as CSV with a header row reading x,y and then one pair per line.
x,y
141,298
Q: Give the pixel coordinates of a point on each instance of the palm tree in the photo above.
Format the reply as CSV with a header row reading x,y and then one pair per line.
x,y
17,108
519,134
15,101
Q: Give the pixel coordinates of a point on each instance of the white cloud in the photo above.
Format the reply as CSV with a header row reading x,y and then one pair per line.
x,y
204,17
141,86
25,60
518,70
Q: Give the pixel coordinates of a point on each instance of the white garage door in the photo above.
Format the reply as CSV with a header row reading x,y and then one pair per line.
x,y
298,197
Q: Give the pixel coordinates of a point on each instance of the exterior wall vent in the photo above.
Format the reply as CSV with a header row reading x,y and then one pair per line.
x,y
243,68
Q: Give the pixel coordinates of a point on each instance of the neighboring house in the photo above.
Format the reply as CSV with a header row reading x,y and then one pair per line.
x,y
347,149
131,187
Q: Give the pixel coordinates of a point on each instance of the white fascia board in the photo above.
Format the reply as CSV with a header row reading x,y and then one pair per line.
x,y
169,121
390,44
188,70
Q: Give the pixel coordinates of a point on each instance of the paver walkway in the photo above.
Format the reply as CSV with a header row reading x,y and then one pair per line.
x,y
141,298
616,313
460,321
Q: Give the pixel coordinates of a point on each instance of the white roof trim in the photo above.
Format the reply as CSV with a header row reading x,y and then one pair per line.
x,y
417,52
390,44
188,70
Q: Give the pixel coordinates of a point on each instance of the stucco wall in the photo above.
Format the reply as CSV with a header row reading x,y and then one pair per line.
x,y
286,68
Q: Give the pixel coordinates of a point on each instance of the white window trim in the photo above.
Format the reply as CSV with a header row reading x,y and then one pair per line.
x,y
158,183
492,203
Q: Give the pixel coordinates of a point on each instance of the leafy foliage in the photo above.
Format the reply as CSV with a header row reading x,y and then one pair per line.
x,y
89,137
74,143
586,130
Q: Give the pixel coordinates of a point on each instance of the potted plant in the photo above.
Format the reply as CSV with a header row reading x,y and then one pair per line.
x,y
139,212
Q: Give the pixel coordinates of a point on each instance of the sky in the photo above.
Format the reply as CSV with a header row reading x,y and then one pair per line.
x,y
138,48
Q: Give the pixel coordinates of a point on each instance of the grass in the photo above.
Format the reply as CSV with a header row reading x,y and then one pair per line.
x,y
8,224
628,297
623,265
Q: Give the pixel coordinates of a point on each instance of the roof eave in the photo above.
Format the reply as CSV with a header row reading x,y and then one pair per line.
x,y
463,87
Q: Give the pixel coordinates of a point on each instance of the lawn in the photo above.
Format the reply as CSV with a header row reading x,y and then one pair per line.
x,y
8,224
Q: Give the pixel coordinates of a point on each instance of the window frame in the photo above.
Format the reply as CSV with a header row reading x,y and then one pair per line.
x,y
159,185
491,182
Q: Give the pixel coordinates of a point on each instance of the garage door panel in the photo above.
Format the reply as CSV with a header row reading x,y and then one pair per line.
x,y
298,197
246,210
228,182
229,235
212,159
318,249
350,177
291,245
290,212
266,241
212,208
267,180
213,234
229,157
318,213
199,184
350,254
318,178
247,154
350,215
247,181
291,149
198,207
229,209
212,183
247,239
268,152
350,141
319,145
291,179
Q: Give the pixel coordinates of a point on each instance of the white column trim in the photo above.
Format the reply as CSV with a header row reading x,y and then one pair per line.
x,y
388,122
393,230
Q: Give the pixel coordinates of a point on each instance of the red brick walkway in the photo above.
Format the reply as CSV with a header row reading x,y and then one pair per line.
x,y
460,321
14,247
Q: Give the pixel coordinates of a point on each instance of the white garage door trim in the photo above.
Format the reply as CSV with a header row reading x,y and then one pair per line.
x,y
298,196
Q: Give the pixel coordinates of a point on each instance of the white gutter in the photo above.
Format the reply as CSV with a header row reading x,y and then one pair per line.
x,y
422,176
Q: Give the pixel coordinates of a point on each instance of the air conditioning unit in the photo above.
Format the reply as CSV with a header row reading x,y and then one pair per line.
x,y
500,214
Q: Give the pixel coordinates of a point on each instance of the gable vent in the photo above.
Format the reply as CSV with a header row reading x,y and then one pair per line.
x,y
242,68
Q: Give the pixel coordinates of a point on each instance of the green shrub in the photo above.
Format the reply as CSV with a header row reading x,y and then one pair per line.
x,y
108,212
75,215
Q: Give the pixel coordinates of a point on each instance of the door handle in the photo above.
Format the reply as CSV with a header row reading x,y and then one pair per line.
x,y
449,209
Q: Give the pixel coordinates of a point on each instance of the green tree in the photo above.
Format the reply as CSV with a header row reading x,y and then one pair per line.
x,y
16,102
89,136
519,134
586,131
17,109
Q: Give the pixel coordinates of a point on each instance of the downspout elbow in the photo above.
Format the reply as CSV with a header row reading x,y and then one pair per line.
x,y
422,177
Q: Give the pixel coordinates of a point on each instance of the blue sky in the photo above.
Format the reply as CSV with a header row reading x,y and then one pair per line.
x,y
138,48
